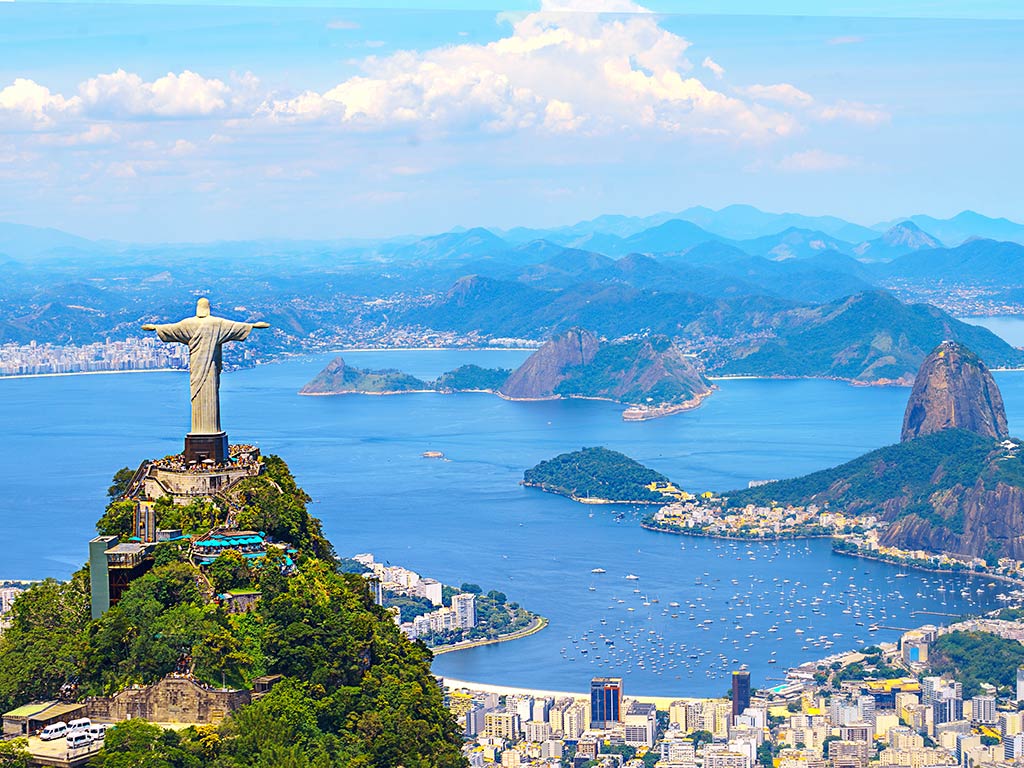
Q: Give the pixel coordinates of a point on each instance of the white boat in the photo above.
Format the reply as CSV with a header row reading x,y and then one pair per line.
x,y
632,576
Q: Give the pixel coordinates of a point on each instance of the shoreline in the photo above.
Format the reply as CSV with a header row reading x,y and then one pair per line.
x,y
535,626
700,535
661,702
900,564
855,553
4,376
584,499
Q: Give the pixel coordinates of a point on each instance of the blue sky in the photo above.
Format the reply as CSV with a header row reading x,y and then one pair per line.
x,y
187,122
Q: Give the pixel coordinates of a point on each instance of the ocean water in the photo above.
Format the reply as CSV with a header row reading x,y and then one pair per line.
x,y
467,519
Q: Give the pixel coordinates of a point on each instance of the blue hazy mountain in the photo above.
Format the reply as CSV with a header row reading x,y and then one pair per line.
x,y
458,244
793,243
868,337
745,222
22,242
902,238
976,261
965,225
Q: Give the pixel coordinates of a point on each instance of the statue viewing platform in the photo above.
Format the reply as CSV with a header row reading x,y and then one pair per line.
x,y
173,476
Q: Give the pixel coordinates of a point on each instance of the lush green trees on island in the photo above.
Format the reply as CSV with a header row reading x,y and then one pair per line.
x,y
356,692
597,473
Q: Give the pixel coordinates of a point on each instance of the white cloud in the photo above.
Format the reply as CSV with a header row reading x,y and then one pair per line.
x,y
124,94
816,160
34,104
714,66
782,93
856,112
558,70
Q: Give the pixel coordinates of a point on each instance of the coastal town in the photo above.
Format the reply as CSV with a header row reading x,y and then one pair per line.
x,y
882,705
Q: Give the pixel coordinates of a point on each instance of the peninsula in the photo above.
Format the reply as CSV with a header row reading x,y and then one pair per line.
x,y
601,476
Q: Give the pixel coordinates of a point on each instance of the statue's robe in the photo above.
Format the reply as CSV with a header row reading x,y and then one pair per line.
x,y
204,336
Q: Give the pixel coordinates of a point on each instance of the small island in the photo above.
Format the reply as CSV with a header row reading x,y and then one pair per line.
x,y
647,373
602,476
339,378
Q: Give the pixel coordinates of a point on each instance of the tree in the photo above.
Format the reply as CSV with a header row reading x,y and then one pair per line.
x,y
229,571
15,754
120,482
473,588
701,737
117,520
45,644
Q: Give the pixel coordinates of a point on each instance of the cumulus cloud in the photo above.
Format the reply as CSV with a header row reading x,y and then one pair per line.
x,y
714,66
28,101
585,67
559,70
816,160
124,94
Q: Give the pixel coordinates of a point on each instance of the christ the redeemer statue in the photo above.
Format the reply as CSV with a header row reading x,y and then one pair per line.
x,y
204,334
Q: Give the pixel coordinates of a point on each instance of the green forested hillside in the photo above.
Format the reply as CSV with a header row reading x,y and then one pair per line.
x,y
977,657
356,692
910,471
597,473
471,377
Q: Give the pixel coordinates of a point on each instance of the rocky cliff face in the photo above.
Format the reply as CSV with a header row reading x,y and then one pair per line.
x,y
549,366
954,389
975,520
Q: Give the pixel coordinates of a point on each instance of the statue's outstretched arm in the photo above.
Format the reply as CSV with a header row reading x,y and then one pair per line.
x,y
260,324
149,327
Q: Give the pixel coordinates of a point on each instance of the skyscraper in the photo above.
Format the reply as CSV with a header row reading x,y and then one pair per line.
x,y
740,692
605,701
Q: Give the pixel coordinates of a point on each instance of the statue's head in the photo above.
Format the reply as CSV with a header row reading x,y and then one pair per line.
x,y
203,307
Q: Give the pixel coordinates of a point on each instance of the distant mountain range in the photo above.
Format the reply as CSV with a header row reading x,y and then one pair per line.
x,y
750,291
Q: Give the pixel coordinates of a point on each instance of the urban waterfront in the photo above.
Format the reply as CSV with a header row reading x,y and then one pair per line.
x,y
467,519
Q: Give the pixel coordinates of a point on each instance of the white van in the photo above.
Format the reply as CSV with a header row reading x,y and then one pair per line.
x,y
54,731
80,724
97,731
78,739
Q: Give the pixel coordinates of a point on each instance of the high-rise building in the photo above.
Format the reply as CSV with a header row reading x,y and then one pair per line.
x,y
983,710
1020,683
740,692
1013,746
605,701
641,724
464,604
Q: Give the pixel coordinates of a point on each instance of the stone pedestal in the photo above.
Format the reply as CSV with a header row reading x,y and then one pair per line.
x,y
200,448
